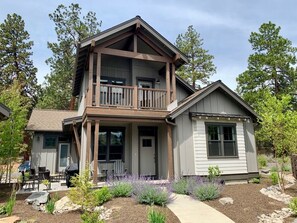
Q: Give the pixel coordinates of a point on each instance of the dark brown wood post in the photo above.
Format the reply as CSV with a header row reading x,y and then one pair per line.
x,y
169,153
96,148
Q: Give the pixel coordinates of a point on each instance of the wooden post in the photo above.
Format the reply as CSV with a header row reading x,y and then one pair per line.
x,y
98,72
169,153
135,43
167,84
135,97
88,152
173,83
78,145
90,90
96,148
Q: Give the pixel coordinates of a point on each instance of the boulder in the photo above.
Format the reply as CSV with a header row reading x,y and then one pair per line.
x,y
65,205
226,200
38,198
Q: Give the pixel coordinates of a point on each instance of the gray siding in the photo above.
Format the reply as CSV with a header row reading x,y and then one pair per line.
x,y
117,67
250,147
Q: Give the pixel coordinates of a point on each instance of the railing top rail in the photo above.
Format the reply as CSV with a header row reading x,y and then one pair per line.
x,y
152,89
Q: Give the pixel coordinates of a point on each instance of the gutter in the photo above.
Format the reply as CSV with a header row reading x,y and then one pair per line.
x,y
169,122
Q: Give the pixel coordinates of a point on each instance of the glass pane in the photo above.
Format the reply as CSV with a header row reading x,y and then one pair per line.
x,y
228,132
115,149
63,155
101,156
102,139
50,141
116,138
213,132
115,156
214,148
147,143
229,149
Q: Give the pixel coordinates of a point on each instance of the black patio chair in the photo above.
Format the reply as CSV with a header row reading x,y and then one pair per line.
x,y
44,176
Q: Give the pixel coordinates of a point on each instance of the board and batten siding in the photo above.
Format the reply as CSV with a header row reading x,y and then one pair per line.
x,y
226,165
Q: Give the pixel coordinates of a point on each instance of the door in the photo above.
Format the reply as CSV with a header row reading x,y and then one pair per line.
x,y
147,156
145,96
63,156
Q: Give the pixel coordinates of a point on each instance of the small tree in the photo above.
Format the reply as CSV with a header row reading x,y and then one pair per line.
x,y
200,66
278,126
12,130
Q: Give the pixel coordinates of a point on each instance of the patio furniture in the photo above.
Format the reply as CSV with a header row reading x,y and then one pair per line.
x,y
119,169
41,169
29,180
100,174
44,176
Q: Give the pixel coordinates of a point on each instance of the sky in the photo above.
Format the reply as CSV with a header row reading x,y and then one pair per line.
x,y
224,25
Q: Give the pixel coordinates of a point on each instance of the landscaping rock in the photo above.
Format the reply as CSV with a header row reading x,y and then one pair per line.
x,y
277,216
226,200
11,219
65,205
266,171
104,212
275,193
38,198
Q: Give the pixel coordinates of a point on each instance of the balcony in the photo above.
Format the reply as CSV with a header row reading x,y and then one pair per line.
x,y
130,97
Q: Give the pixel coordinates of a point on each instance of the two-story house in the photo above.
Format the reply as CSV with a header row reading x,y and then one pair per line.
x,y
132,107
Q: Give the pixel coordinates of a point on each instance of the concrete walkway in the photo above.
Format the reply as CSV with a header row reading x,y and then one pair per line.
x,y
189,210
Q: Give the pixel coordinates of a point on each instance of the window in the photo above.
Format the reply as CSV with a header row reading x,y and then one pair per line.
x,y
221,140
49,141
111,144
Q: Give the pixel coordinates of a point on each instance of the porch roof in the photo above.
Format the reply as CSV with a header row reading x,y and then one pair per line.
x,y
84,46
48,120
4,112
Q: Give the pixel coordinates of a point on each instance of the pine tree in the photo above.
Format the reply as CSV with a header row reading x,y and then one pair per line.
x,y
70,29
200,66
15,53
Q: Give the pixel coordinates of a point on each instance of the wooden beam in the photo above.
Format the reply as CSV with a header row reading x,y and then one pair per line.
x,y
134,55
137,25
90,89
88,149
114,40
135,43
92,45
98,72
78,145
135,97
173,82
167,84
176,57
170,175
151,44
96,148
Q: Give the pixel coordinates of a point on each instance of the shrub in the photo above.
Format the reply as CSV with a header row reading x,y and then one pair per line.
x,y
213,173
7,208
181,186
206,191
286,168
146,193
255,180
102,195
262,160
274,178
122,189
293,205
156,216
91,217
274,169
50,205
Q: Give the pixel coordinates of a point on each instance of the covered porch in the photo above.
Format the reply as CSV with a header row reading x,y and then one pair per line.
x,y
142,147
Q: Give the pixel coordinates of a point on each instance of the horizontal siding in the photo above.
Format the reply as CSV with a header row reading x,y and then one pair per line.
x,y
227,166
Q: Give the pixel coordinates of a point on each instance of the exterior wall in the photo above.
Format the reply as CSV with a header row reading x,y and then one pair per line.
x,y
82,95
226,165
48,157
180,93
250,147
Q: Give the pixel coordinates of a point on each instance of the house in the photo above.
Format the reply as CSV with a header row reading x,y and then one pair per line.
x,y
133,108
4,112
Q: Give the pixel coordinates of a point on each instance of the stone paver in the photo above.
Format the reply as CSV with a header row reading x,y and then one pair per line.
x,y
189,210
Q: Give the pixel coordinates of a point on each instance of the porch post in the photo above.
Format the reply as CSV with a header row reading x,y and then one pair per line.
x,y
90,90
96,148
98,72
88,153
167,84
170,175
173,83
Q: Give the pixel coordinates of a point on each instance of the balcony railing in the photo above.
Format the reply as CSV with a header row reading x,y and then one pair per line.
x,y
131,97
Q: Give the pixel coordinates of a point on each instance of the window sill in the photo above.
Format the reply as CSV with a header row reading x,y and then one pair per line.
x,y
222,157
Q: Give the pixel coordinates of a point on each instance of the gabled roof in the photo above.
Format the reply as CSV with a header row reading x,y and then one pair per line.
x,y
203,92
127,26
4,112
48,120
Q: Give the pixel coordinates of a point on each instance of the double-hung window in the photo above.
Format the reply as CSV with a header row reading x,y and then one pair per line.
x,y
221,140
49,141
111,144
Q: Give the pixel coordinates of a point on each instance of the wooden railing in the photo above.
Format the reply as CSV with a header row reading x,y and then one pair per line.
x,y
131,97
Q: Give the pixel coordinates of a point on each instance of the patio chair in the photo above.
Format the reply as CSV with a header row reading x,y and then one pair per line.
x,y
29,180
119,169
100,174
41,169
44,176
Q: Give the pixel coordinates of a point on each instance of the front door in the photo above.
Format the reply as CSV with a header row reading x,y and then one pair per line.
x,y
147,156
63,155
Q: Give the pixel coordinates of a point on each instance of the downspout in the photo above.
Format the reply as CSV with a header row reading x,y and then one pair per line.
x,y
169,122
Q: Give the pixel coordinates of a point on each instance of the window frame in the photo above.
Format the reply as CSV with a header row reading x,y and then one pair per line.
x,y
50,136
108,131
221,139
